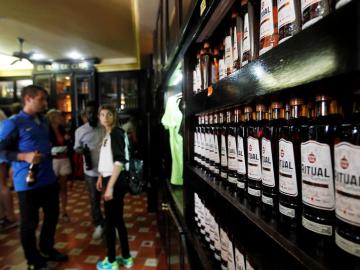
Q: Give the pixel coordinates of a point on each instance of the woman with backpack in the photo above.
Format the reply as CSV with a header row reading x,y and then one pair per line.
x,y
113,182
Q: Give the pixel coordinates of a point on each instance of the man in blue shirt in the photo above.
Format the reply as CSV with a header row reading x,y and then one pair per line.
x,y
24,140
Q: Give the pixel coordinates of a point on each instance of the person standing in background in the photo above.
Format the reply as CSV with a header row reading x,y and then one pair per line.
x,y
113,181
88,139
24,140
7,214
61,143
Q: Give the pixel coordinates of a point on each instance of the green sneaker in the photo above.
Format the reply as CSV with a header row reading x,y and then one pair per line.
x,y
128,263
106,265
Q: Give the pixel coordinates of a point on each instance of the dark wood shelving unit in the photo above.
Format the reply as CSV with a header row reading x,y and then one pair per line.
x,y
328,49
290,244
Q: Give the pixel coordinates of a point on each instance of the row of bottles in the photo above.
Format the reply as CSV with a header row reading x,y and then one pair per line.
x,y
298,162
229,253
253,28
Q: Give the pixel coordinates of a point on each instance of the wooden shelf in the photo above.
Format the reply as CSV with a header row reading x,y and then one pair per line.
x,y
294,244
327,49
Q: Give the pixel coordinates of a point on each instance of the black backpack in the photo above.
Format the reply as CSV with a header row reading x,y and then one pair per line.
x,y
136,181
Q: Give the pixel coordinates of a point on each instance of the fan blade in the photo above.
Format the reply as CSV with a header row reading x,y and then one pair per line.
x,y
17,60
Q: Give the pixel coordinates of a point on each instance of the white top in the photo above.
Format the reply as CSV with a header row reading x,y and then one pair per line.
x,y
91,136
106,160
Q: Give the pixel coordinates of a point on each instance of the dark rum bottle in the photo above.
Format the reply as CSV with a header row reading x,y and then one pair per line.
x,y
206,65
269,35
232,152
236,37
255,134
250,33
211,143
289,22
223,150
317,171
270,160
290,164
347,183
196,142
241,153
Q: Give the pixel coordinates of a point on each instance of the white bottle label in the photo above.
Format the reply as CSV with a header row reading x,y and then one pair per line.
x,y
249,266
239,260
223,156
202,146
348,246
317,227
286,12
198,77
235,45
222,69
347,182
232,155
216,154
224,245
289,212
212,231
317,175
228,53
231,257
206,149
267,200
266,22
254,192
246,38
268,177
241,169
254,163
287,172
213,73
306,4
217,236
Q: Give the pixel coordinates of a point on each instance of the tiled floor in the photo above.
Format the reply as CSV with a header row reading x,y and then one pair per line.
x,y
74,237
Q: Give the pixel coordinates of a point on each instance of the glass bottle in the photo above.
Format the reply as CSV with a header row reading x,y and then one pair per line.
x,y
87,157
207,151
246,39
255,134
241,152
313,11
228,50
236,37
289,22
347,182
215,67
232,152
290,164
223,150
217,147
269,35
206,65
30,178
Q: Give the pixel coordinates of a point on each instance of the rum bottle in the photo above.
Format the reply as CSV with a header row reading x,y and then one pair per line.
x,y
340,3
290,164
269,35
223,150
313,11
317,170
217,147
206,65
289,22
207,150
347,183
236,26
255,134
249,42
215,67
241,153
232,152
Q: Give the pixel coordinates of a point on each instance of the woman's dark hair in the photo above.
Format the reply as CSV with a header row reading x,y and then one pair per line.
x,y
111,109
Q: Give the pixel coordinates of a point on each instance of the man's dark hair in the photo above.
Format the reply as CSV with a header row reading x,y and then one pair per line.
x,y
31,90
91,103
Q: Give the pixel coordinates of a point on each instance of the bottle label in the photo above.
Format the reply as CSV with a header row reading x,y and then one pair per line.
x,y
246,37
196,150
241,169
254,192
317,227
317,175
207,224
286,12
202,146
206,149
235,45
239,260
228,53
213,73
216,150
266,23
222,69
212,229
224,245
286,211
231,258
217,236
232,155
249,266
305,4
198,77
347,182
267,200
254,165
287,172
348,246
241,185
268,177
223,152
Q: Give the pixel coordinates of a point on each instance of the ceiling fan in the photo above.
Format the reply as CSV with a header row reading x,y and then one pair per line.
x,y
26,55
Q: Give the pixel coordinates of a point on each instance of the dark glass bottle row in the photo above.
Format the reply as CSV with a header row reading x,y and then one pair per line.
x,y
298,163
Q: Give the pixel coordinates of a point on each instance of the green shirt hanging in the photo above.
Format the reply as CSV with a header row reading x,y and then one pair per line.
x,y
172,120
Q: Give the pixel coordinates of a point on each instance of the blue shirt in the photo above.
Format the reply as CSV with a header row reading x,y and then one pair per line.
x,y
22,133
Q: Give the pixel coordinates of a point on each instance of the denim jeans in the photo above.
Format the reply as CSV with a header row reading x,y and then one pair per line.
x,y
95,201
30,202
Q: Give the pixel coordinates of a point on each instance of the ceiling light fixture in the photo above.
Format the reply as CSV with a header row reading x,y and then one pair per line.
x,y
74,55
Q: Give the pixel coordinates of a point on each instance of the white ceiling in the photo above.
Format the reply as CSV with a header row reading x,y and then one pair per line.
x,y
116,31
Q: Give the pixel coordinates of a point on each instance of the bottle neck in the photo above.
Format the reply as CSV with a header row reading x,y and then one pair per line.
x,y
278,114
326,107
260,116
298,111
248,116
